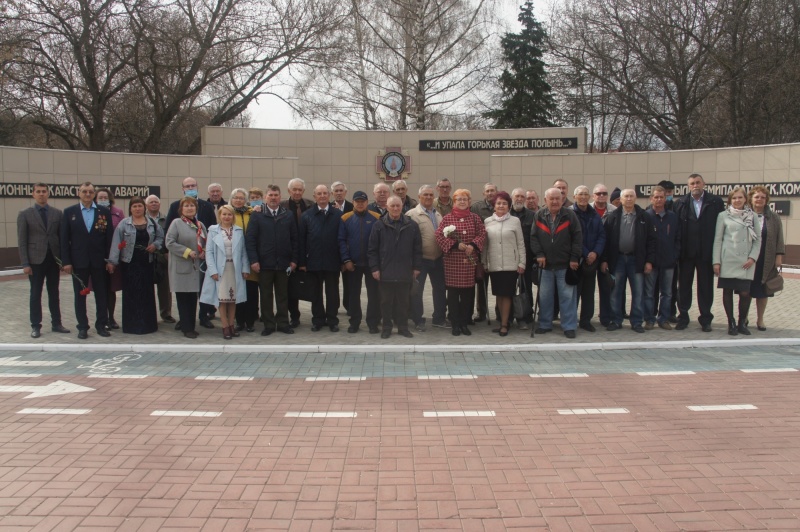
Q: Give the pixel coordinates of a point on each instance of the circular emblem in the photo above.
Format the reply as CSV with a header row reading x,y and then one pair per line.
x,y
393,164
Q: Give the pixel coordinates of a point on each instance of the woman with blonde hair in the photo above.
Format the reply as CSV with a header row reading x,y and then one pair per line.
x,y
461,235
226,268
737,243
770,258
247,311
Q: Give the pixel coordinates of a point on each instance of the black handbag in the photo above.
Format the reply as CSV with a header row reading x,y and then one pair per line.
x,y
521,302
302,286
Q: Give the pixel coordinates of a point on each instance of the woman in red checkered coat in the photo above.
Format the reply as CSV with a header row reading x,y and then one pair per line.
x,y
462,252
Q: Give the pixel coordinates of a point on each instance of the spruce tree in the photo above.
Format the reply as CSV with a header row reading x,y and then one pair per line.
x,y
527,99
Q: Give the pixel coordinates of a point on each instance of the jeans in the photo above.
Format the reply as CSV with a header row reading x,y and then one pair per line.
x,y
626,272
434,269
663,280
553,282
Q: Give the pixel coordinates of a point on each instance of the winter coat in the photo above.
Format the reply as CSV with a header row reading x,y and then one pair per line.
x,y
184,272
126,232
668,238
733,246
775,245
644,234
271,241
318,236
505,245
354,231
459,270
594,235
430,249
395,249
697,234
562,246
216,262
205,213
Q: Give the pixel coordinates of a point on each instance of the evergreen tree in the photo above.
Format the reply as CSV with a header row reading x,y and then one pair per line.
x,y
527,98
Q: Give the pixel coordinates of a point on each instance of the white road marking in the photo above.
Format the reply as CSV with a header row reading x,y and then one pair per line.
x,y
66,411
445,377
117,376
12,361
549,375
20,375
184,413
768,370
660,373
216,378
54,388
459,413
712,408
582,411
332,379
321,414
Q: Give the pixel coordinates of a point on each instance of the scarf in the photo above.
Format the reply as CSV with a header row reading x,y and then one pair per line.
x,y
243,209
458,213
503,218
746,216
201,239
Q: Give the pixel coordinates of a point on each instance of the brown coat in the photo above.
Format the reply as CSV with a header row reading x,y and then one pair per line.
x,y
774,241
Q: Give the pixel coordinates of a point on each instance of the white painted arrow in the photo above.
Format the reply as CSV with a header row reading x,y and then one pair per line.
x,y
54,388
12,361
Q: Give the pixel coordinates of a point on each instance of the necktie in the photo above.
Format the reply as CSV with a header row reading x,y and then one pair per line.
x,y
274,213
298,211
43,213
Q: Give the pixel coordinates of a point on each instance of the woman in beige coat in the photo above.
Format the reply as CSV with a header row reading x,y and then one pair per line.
x,y
736,247
504,256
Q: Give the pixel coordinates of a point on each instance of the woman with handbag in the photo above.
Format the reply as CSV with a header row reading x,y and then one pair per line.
x,y
770,258
503,256
737,243
461,235
136,239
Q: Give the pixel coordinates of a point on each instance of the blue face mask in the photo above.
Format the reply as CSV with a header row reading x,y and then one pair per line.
x,y
669,198
192,193
256,203
104,203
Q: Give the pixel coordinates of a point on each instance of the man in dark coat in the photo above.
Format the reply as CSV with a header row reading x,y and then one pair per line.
x,y
395,258
272,251
318,235
297,205
658,285
39,241
483,208
697,217
86,234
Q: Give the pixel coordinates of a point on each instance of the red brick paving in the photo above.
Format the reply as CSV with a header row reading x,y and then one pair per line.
x,y
660,467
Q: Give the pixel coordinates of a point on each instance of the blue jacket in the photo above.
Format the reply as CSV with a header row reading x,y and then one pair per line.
x,y
318,236
126,232
271,241
216,262
594,235
668,238
354,231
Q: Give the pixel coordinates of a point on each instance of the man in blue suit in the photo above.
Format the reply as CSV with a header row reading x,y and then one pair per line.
x,y
86,234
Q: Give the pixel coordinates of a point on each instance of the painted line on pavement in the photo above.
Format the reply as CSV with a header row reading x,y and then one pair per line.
x,y
662,373
63,411
20,375
458,413
768,370
184,413
221,378
553,375
334,379
117,376
582,411
445,377
322,414
13,362
714,408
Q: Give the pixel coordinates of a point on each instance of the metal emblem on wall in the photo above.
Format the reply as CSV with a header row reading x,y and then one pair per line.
x,y
393,164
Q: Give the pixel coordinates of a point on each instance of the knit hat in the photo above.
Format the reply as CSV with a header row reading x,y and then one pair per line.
x,y
615,194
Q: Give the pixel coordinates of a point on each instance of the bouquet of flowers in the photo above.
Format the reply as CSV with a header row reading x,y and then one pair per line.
x,y
85,291
450,232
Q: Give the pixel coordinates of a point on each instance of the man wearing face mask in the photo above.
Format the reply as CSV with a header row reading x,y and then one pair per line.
x,y
669,190
206,214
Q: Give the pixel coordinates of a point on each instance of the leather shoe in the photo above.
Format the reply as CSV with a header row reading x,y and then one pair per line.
x,y
352,329
238,327
374,330
334,328
168,319
569,334
266,332
36,332
706,327
294,324
613,327
250,328
456,331
637,328
83,335
316,328
191,334
406,333
588,327
112,324
465,331
207,324
59,329
386,334
286,329
539,330
177,326
681,326
103,332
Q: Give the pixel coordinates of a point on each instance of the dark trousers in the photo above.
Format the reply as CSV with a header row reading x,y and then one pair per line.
x,y
345,291
98,277
274,283
435,270
325,313
46,271
247,312
705,289
586,289
481,303
187,306
164,295
605,299
528,280
206,310
353,295
294,309
459,303
394,304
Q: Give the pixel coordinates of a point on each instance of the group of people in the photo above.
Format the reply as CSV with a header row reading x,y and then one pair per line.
x,y
229,256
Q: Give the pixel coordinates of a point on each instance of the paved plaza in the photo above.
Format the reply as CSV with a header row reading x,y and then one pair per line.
x,y
333,431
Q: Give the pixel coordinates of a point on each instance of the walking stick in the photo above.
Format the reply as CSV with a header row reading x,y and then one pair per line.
x,y
536,304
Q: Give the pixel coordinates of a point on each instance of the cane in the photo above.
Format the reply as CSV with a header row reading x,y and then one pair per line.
x,y
536,304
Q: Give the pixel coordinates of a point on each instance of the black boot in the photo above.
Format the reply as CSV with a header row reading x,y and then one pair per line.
x,y
744,309
732,330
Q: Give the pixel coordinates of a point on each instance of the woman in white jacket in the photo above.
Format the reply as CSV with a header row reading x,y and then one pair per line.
x,y
504,256
737,244
227,269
